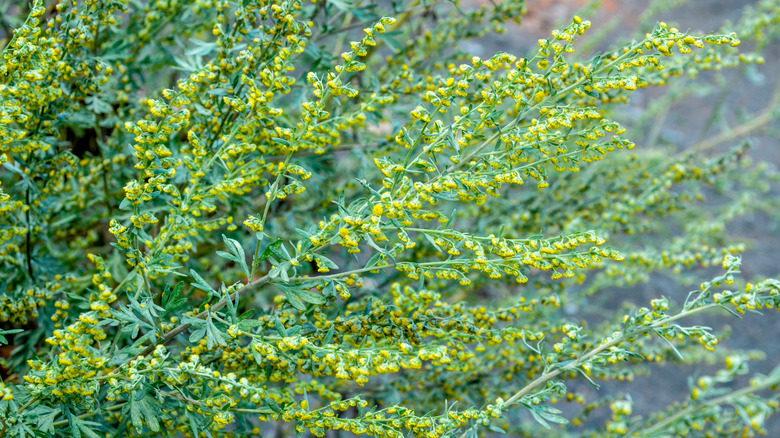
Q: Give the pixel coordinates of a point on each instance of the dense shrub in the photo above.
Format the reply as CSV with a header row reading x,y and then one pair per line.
x,y
217,216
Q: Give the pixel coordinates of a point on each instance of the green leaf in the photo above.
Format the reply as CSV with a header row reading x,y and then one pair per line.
x,y
246,315
200,283
97,106
585,375
44,417
676,352
130,321
596,62
246,324
374,260
280,271
432,242
279,326
126,204
227,256
392,43
297,295
310,297
213,335
172,299
143,235
203,48
150,407
3,340
273,405
79,426
194,426
329,335
293,299
548,413
326,262
228,297
135,415
237,253
539,418
269,249
197,335
303,233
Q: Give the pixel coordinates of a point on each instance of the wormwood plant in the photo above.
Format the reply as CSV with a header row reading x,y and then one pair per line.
x,y
220,218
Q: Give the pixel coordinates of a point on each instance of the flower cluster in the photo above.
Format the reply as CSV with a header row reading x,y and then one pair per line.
x,y
220,217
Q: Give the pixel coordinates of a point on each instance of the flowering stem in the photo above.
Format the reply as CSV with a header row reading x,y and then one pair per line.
x,y
249,287
689,409
465,160
28,236
269,201
584,358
